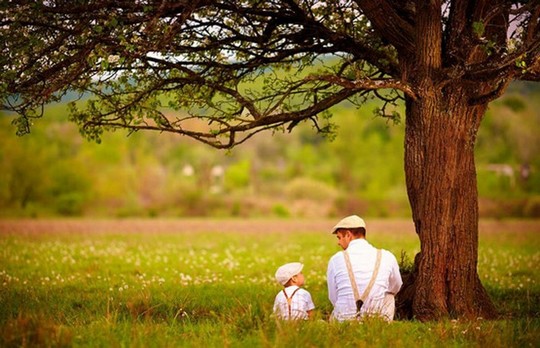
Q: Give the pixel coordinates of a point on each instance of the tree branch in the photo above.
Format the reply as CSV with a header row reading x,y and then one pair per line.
x,y
398,32
366,84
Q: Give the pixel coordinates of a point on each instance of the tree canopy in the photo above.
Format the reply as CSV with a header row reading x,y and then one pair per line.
x,y
143,61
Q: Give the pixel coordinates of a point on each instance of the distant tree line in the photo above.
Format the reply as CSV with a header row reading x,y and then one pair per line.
x,y
54,172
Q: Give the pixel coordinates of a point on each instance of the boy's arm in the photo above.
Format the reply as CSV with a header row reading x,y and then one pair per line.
x,y
309,305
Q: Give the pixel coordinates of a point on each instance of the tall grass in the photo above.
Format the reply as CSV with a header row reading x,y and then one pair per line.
x,y
217,289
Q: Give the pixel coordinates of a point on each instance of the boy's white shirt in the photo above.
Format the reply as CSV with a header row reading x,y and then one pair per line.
x,y
300,305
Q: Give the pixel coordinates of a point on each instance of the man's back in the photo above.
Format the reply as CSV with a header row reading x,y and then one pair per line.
x,y
363,258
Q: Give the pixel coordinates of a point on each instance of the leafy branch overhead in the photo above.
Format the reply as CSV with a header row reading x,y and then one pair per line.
x,y
222,71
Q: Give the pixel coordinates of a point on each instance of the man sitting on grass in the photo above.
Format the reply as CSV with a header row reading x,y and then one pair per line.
x,y
362,280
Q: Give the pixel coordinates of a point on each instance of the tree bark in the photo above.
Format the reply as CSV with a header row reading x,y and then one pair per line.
x,y
440,134
441,184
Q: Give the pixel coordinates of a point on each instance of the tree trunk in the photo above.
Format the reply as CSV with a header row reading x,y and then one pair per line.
x,y
441,184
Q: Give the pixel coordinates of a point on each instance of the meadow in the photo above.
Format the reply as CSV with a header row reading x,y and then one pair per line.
x,y
210,283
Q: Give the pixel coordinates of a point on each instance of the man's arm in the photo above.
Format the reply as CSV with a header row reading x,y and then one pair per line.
x,y
331,280
395,281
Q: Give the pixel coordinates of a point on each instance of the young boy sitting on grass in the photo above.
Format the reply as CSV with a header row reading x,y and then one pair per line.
x,y
292,302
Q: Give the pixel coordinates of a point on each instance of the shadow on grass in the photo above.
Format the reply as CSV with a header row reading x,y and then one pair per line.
x,y
516,303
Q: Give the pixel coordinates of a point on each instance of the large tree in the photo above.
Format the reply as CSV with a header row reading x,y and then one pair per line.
x,y
221,71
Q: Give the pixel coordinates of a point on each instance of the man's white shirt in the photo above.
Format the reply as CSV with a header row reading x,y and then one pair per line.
x,y
363,257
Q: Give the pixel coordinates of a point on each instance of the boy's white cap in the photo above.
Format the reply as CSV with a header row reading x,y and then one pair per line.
x,y
353,221
287,271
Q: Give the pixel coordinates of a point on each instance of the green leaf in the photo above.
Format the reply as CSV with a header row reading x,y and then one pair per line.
x,y
478,28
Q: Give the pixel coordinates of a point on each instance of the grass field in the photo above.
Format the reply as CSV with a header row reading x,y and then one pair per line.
x,y
156,283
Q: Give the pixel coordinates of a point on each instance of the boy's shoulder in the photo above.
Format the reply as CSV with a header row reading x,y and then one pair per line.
x,y
303,291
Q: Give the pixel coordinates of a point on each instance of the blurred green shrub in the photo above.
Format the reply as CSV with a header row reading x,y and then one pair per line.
x,y
70,204
515,103
532,207
307,188
237,175
70,187
281,210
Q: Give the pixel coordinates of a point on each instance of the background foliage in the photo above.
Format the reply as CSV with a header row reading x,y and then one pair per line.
x,y
55,172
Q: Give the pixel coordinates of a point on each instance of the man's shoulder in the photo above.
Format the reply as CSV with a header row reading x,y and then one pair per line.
x,y
388,254
336,256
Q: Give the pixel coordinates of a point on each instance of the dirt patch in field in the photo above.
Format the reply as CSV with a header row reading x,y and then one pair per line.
x,y
40,226
256,226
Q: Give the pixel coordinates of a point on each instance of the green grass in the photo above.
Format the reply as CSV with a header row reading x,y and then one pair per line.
x,y
217,289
